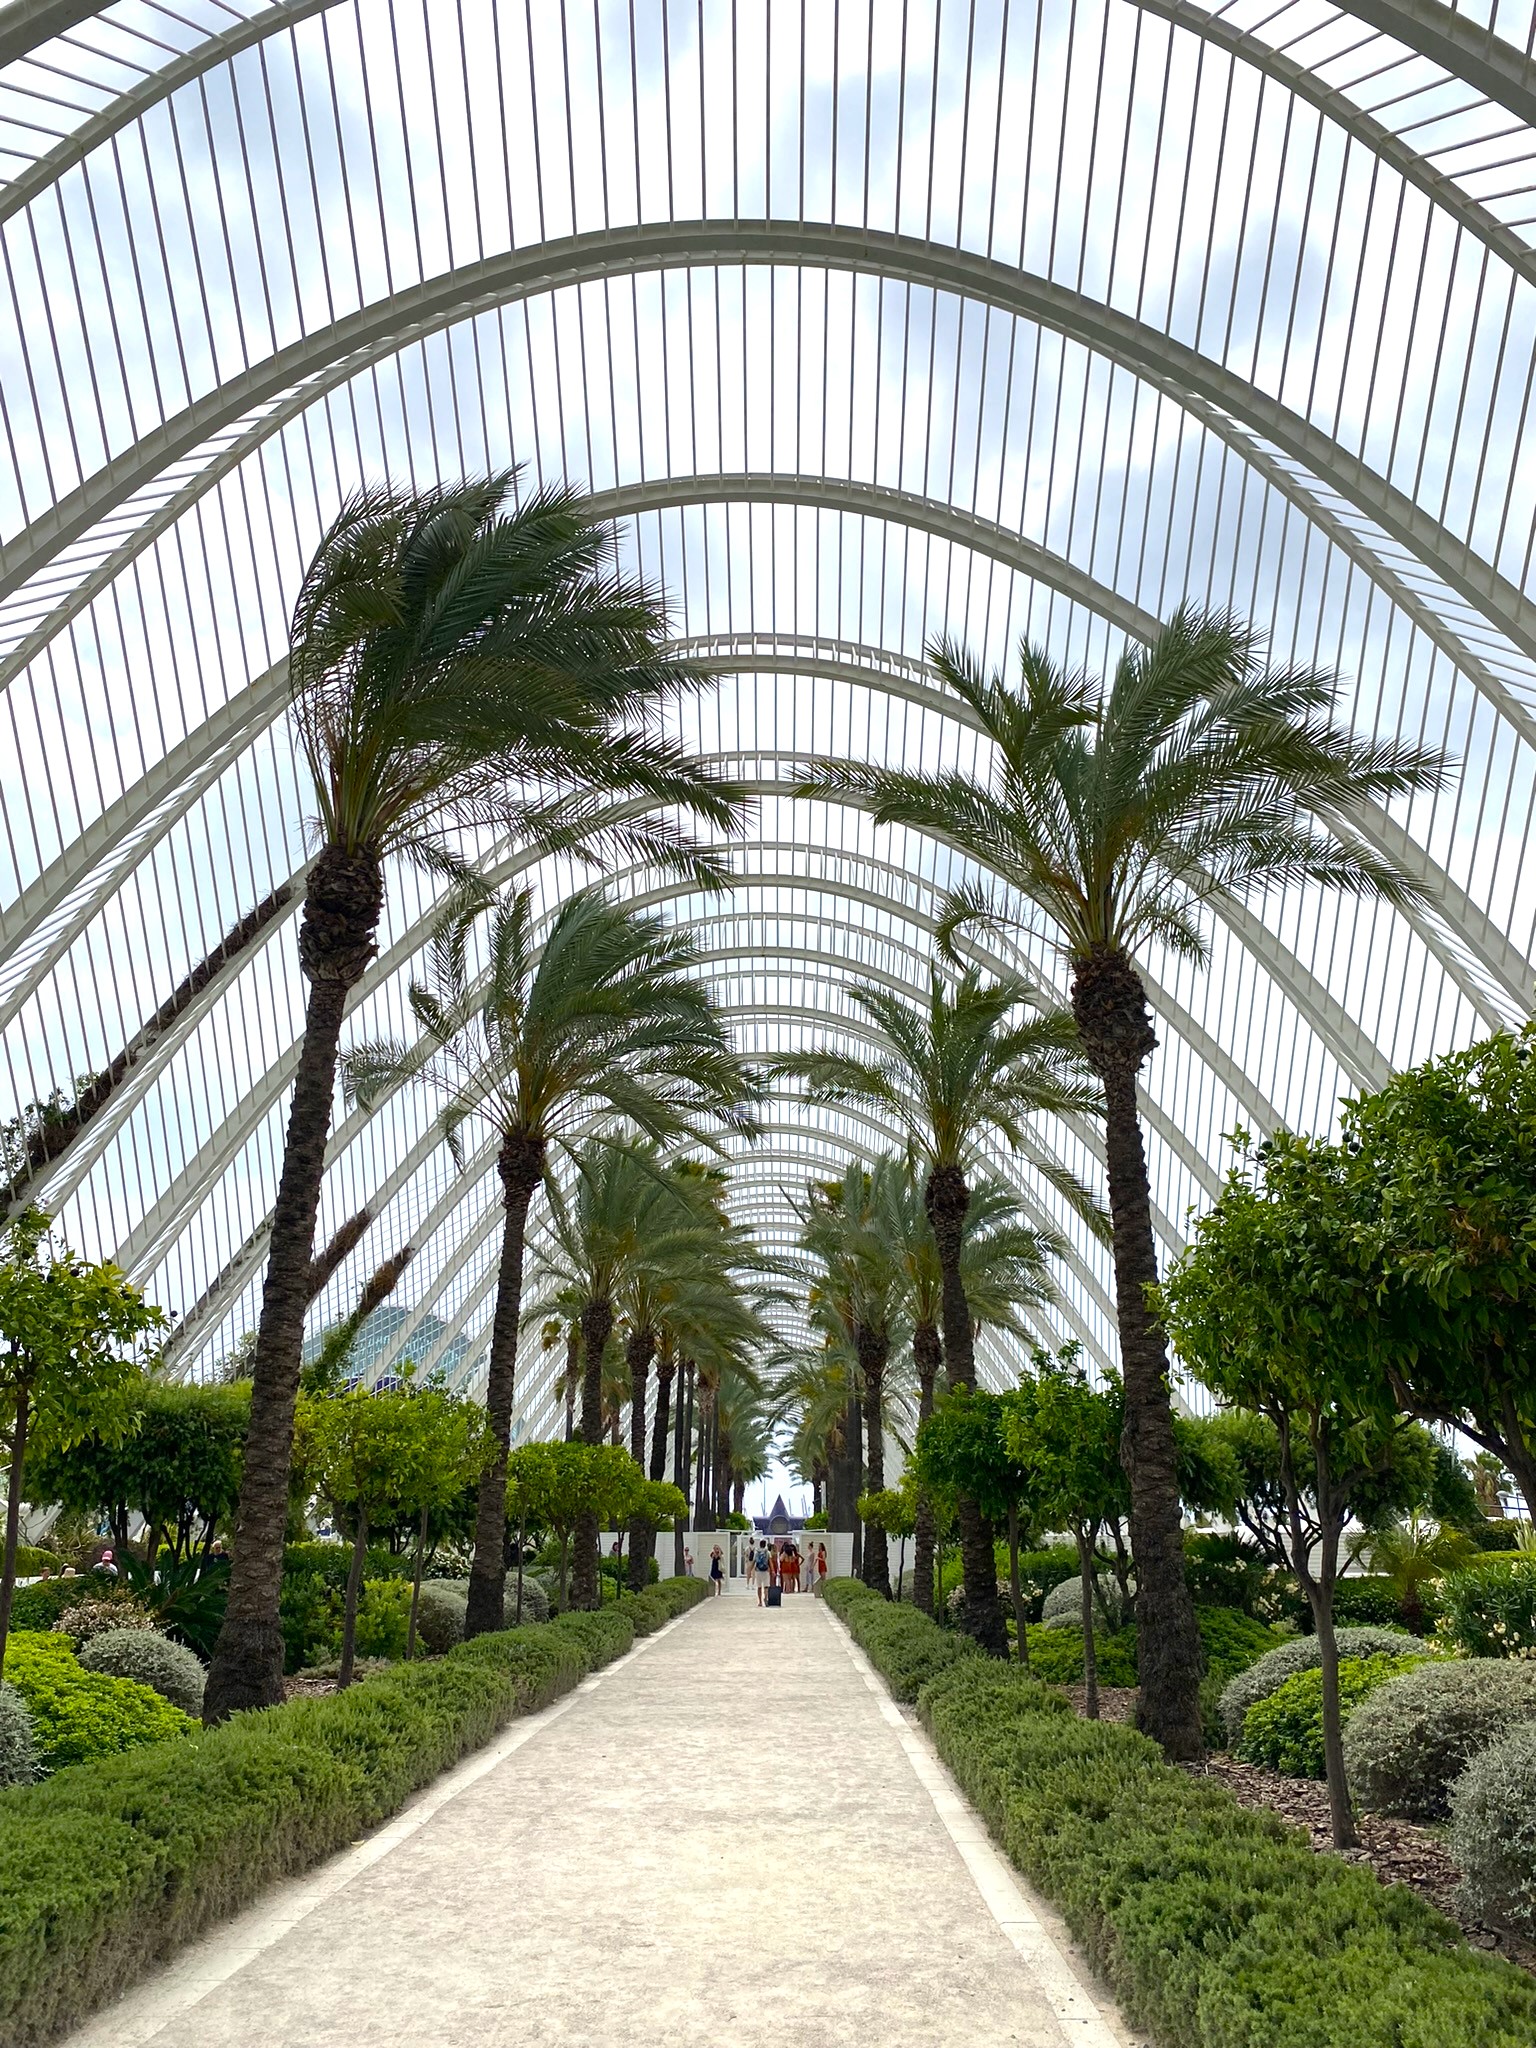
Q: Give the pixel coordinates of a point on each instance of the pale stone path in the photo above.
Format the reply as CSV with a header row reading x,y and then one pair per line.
x,y
730,1838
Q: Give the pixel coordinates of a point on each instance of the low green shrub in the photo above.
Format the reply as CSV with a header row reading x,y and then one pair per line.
x,y
1301,1653
905,1647
1216,1927
1063,1605
1223,1571
107,1869
1284,1732
1493,1829
18,1739
1056,1655
1040,1572
80,1715
332,1562
39,1606
383,1617
1372,1601
31,1561
1489,1610
1408,1745
439,1617
167,1668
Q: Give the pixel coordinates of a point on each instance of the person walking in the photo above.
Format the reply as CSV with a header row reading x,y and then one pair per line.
x,y
716,1574
750,1570
760,1569
821,1569
794,1566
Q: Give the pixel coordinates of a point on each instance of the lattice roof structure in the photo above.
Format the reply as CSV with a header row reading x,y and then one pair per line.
x,y
864,321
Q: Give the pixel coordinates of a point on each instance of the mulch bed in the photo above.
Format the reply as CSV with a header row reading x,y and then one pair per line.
x,y
1396,1850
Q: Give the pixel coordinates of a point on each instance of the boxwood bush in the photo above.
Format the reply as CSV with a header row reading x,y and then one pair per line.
x,y
39,1606
168,1668
1056,1655
108,1869
1408,1745
79,1715
1301,1653
1284,1732
1216,1927
1493,1829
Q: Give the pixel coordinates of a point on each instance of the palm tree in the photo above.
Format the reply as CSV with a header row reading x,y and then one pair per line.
x,y
973,1060
605,1015
1113,816
1003,1269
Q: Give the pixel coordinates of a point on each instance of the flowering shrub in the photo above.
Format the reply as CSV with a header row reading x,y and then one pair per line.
x,y
1489,1610
1285,1731
95,1616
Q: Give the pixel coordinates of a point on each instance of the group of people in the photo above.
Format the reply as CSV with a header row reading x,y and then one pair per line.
x,y
779,1562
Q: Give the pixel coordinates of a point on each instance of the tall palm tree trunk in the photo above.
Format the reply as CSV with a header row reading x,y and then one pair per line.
x,y
947,1198
926,1355
704,1514
596,1326
572,1375
682,1462
642,1537
521,1166
666,1369
341,915
874,1347
1115,1026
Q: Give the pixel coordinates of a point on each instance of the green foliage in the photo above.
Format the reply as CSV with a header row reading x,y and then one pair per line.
x,y
80,1715
1409,1743
149,1659
1223,1571
1302,1653
1056,1655
31,1562
329,1562
1375,1602
1284,1732
18,1739
108,1869
1214,1926
39,1607
1493,1830
99,1615
1041,1570
894,1510
905,1647
1489,1610
186,1597
1062,1607
383,1618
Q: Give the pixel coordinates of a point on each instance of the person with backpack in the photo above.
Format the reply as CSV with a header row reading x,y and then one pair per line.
x,y
759,1568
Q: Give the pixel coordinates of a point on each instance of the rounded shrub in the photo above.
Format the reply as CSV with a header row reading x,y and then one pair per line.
x,y
18,1740
1493,1829
1410,1743
1489,1610
151,1659
80,1715
439,1617
535,1598
31,1561
97,1616
1302,1654
1063,1605
1284,1731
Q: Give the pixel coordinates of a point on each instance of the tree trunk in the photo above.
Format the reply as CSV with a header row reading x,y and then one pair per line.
x,y
947,1199
349,1612
572,1361
666,1368
1110,1006
682,1446
873,1346
642,1537
926,1356
704,1514
817,1493
596,1327
522,1545
521,1166
1015,1590
421,1558
1318,1587
1090,1647
18,1448
336,941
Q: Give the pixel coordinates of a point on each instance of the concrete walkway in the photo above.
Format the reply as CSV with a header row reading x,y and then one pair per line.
x,y
730,1837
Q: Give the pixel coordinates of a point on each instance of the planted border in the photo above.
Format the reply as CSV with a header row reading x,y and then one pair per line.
x,y
1216,1927
109,1868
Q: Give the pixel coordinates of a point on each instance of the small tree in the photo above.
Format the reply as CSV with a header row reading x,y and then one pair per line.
x,y
894,1511
560,1483
68,1367
1269,1309
965,1449
1065,1434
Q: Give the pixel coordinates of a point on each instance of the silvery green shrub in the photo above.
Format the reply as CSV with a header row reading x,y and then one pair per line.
x,y
1063,1605
1408,1744
18,1744
1493,1829
154,1660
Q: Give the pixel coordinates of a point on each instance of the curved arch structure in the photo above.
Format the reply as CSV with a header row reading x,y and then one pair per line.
x,y
1032,321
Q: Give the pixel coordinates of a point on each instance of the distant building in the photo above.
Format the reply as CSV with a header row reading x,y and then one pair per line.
x,y
778,1521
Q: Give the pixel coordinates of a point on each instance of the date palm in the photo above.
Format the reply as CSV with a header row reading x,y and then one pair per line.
x,y
606,1014
1114,815
457,663
974,1060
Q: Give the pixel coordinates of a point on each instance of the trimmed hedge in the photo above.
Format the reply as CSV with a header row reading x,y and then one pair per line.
x,y
1216,1927
108,1869
148,1658
32,1560
905,1647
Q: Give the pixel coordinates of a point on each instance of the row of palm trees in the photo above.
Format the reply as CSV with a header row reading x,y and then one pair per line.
x,y
469,669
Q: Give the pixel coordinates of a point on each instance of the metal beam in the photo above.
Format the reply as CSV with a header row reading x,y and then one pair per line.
x,y
27,24
1459,45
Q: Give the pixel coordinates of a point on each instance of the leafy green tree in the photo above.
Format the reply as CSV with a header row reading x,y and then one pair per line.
x,y
447,657
606,1013
559,1485
966,1448
1109,818
177,1466
71,1333
974,1060
1269,1309
1442,1190
1065,1435
894,1512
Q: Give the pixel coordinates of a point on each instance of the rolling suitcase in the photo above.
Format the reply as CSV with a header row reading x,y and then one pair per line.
x,y
775,1596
